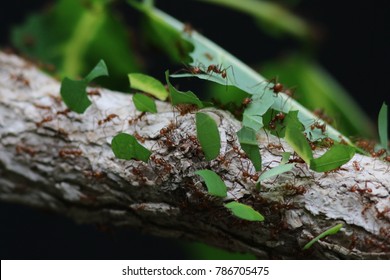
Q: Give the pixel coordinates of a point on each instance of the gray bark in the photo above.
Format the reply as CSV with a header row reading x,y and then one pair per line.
x,y
63,161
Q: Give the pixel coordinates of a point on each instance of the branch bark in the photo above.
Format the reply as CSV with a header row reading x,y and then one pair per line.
x,y
62,161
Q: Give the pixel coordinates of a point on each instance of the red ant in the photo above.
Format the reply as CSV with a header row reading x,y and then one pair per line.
x,y
187,28
21,79
378,153
64,153
94,92
63,112
95,174
299,190
43,107
246,101
278,117
186,108
356,165
316,124
139,137
109,118
24,149
44,120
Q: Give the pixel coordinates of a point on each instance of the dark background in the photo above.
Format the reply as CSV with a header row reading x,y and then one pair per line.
x,y
354,47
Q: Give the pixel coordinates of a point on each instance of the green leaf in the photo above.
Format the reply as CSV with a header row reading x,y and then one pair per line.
x,y
126,146
383,126
252,121
148,84
336,156
295,138
244,211
208,135
181,97
272,15
99,70
310,79
330,231
237,74
91,32
215,185
74,93
285,157
144,103
282,168
248,142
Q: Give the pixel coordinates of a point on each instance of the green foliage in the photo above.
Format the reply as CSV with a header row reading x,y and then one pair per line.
x,y
74,93
330,231
336,156
208,135
144,103
285,157
248,142
315,88
282,168
72,36
148,84
126,146
244,212
383,126
181,97
272,15
214,183
259,105
295,138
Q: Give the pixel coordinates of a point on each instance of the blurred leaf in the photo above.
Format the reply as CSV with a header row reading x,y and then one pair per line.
x,y
330,231
144,103
271,14
181,97
208,135
383,126
200,251
162,34
148,84
99,70
285,157
335,157
317,89
214,183
72,36
244,212
248,142
126,146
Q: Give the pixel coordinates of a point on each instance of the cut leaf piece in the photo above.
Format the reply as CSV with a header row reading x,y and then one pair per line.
x,y
126,146
330,231
181,97
383,126
285,157
275,171
295,138
208,135
244,212
336,156
248,142
99,70
148,84
215,185
144,103
74,93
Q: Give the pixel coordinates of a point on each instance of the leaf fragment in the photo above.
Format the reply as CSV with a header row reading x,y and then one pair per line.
x,y
148,84
282,168
144,103
244,211
126,146
383,127
336,156
208,135
330,231
248,142
215,185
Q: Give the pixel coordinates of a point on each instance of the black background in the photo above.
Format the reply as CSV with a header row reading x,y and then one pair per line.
x,y
354,48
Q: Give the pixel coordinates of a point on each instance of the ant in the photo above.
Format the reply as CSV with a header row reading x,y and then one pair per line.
x,y
299,190
278,117
64,153
139,137
187,28
44,120
186,108
95,174
246,101
356,165
25,149
20,79
378,153
43,107
109,118
64,112
316,124
94,92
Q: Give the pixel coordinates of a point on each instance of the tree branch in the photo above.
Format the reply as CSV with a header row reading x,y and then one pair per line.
x,y
62,161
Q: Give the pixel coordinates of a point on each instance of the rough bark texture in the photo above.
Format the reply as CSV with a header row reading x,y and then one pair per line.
x,y
59,160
